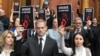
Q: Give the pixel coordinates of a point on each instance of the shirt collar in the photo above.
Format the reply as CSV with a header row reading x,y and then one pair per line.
x,y
43,37
9,51
78,29
94,24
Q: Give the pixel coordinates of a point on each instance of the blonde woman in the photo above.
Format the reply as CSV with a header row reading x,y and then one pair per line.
x,y
7,43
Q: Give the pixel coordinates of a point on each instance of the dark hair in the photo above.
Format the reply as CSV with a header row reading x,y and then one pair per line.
x,y
73,42
52,11
15,21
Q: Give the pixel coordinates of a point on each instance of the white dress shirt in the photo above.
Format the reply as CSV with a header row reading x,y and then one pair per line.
x,y
15,33
6,54
56,36
79,51
43,41
79,30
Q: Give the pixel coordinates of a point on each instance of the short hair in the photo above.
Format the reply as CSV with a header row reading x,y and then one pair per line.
x,y
2,38
54,19
78,18
40,20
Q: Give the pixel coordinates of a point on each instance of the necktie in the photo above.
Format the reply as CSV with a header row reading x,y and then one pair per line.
x,y
78,31
40,46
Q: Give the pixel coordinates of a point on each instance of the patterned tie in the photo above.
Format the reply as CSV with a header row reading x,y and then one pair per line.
x,y
78,30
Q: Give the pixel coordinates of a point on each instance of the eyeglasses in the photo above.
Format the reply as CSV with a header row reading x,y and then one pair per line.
x,y
78,23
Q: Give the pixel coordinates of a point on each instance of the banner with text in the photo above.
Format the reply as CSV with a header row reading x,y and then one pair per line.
x,y
64,15
88,14
26,17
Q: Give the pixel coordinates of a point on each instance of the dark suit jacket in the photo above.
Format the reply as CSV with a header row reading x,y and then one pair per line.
x,y
96,41
5,20
31,47
12,54
29,31
87,33
17,46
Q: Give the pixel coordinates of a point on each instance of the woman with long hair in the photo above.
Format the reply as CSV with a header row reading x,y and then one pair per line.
x,y
7,43
78,48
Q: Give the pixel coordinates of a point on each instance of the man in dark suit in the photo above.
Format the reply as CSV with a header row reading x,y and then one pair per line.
x,y
96,49
32,46
79,28
96,40
18,41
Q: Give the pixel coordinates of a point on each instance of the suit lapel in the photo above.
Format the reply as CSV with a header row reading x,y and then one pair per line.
x,y
82,30
46,44
35,41
35,45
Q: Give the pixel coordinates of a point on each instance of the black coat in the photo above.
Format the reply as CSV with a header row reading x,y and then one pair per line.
x,y
96,40
5,20
17,46
87,33
12,54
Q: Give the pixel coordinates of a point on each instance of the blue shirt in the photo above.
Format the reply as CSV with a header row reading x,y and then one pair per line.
x,y
56,36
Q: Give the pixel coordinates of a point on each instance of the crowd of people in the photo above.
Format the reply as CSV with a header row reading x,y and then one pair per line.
x,y
47,39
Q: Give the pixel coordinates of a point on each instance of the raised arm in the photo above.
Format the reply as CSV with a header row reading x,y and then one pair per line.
x,y
66,50
11,16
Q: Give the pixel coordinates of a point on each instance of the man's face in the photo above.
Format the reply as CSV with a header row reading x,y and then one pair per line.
x,y
78,24
41,28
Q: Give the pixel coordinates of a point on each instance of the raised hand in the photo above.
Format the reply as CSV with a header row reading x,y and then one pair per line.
x,y
19,30
61,30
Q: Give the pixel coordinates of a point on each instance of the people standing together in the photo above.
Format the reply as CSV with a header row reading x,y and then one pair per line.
x,y
49,39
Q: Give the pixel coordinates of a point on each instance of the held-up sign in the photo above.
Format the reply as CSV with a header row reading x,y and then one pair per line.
x,y
26,17
88,14
64,15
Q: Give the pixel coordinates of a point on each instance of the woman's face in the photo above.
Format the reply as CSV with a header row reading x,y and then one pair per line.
x,y
78,40
9,40
17,22
94,21
55,23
